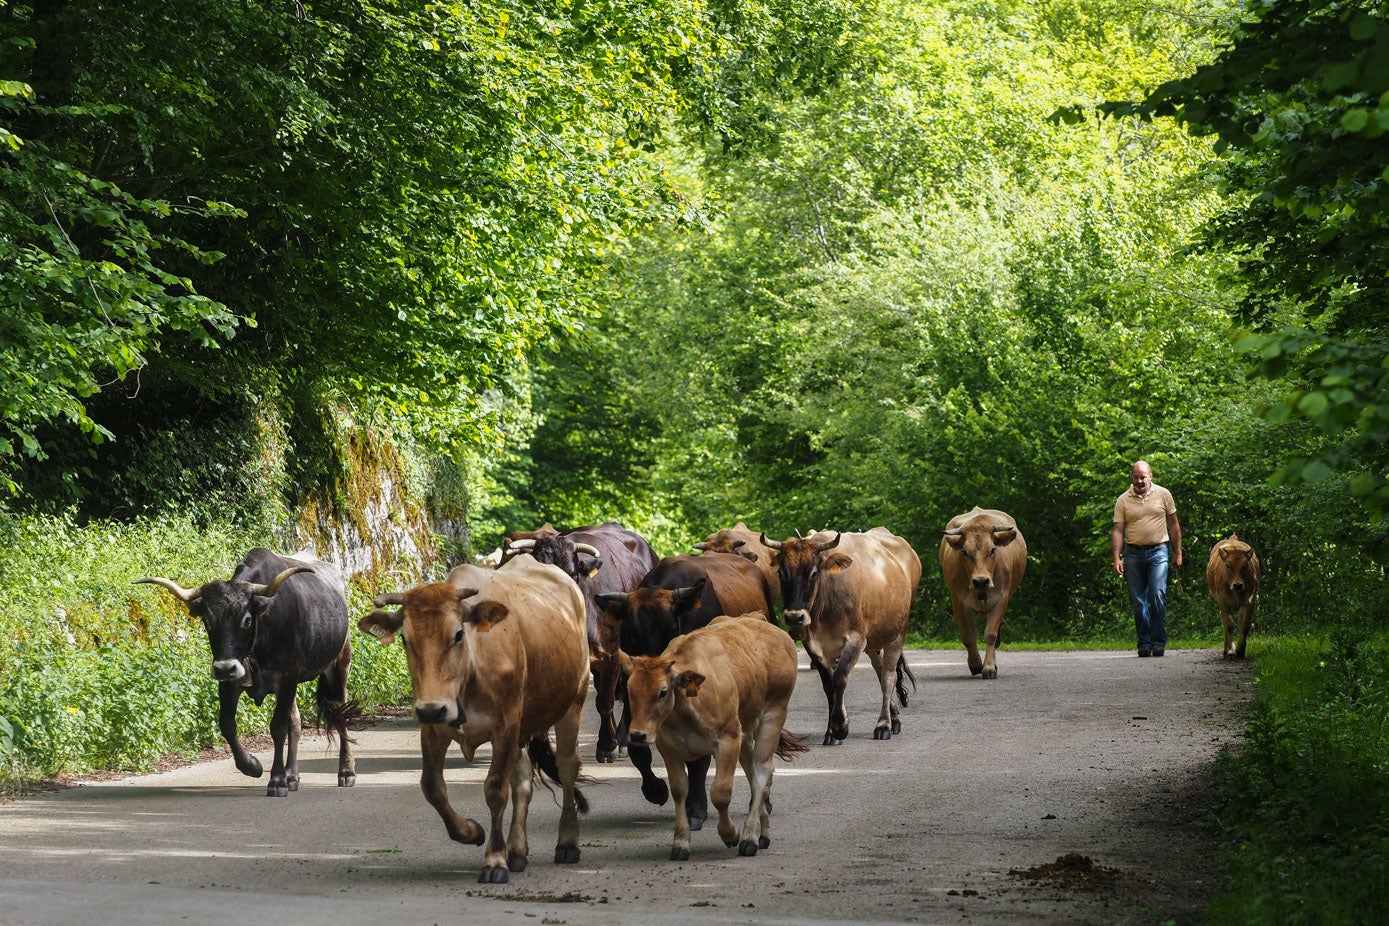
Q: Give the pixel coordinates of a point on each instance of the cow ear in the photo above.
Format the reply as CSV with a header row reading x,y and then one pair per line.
x,y
688,683
836,563
614,605
1005,537
259,606
487,613
687,598
382,625
749,556
625,662
588,565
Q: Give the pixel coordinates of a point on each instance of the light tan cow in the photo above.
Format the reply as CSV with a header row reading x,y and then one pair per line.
x,y
723,691
1233,577
983,556
496,656
844,594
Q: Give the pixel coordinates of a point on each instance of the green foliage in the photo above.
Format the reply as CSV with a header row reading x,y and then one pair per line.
x,y
1305,802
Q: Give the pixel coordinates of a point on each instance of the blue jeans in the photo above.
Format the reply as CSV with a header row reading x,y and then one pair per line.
x,y
1145,570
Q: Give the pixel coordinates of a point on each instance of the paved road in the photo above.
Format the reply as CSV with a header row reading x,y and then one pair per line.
x,y
1095,753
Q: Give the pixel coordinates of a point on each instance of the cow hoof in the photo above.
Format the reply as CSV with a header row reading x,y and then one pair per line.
x,y
293,784
975,670
655,791
346,779
566,855
896,726
277,791
622,752
679,854
831,741
747,847
606,757
696,824
990,673
515,861
763,842
493,874
252,768
882,733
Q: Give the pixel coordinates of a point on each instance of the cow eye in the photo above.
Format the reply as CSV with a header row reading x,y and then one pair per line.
x,y
661,695
458,636
246,621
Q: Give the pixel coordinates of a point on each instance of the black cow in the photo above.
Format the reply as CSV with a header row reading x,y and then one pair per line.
x,y
279,621
682,593
601,559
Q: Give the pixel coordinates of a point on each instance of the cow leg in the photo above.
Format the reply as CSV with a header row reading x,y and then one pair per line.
x,y
827,683
885,665
964,621
1246,620
839,717
567,756
284,725
758,759
726,758
1228,622
228,696
679,786
506,751
993,627
605,695
652,787
623,719
332,704
433,746
697,800
517,846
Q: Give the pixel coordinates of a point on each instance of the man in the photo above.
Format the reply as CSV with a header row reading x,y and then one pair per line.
x,y
1145,521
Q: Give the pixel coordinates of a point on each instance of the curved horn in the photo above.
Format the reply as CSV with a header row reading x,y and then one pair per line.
x,y
587,548
774,544
466,592
824,545
701,546
268,591
184,595
395,598
1003,527
954,531
518,545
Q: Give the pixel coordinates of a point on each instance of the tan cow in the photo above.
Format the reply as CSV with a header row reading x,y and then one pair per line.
x,y
741,540
1233,577
723,691
845,594
982,557
496,656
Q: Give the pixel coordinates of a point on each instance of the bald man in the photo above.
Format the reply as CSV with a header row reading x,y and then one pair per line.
x,y
1145,523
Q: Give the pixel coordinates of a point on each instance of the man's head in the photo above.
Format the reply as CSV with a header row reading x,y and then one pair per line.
x,y
1141,476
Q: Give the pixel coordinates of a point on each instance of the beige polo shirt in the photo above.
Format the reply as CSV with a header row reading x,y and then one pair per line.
x,y
1144,518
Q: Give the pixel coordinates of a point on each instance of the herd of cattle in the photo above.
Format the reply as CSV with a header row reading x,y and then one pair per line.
x,y
688,645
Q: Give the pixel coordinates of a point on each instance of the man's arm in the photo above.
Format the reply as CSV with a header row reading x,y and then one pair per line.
x,y
1174,534
1116,545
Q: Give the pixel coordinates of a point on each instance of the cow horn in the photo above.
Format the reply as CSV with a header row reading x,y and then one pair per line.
x,y
589,549
701,546
954,531
774,544
824,545
178,591
518,545
268,591
1003,527
394,598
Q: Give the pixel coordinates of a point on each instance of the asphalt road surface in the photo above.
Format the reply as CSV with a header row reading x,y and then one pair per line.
x,y
1070,790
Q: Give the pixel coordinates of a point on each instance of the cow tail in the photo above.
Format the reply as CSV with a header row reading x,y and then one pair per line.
x,y
789,745
904,674
335,714
543,757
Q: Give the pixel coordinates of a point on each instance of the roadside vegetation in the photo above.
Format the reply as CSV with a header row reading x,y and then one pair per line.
x,y
803,263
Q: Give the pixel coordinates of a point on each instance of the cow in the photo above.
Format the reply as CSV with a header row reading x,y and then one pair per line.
x,y
742,541
682,593
496,656
1233,577
279,621
982,556
843,594
600,558
723,691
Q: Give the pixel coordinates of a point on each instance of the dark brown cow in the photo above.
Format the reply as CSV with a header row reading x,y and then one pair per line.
x,y
1233,577
721,691
601,558
496,656
682,593
982,556
845,594
741,540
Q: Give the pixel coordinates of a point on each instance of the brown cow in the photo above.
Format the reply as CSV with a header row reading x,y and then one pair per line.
x,y
982,557
720,691
844,594
741,540
496,656
1233,576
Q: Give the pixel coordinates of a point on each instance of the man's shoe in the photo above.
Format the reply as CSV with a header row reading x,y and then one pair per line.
x,y
1145,651
1158,650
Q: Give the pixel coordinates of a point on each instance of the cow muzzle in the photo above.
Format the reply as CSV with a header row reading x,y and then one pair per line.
x,y
982,583
436,712
228,670
797,618
1237,588
638,737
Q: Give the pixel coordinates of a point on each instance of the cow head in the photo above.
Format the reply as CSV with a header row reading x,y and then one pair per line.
x,y
579,561
652,685
725,541
436,624
977,542
231,613
800,563
510,540
642,622
1241,566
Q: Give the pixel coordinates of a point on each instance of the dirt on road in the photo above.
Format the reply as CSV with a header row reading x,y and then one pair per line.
x,y
1073,789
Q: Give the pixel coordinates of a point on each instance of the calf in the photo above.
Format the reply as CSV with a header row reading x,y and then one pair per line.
x,y
720,691
982,556
496,656
279,621
1233,577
